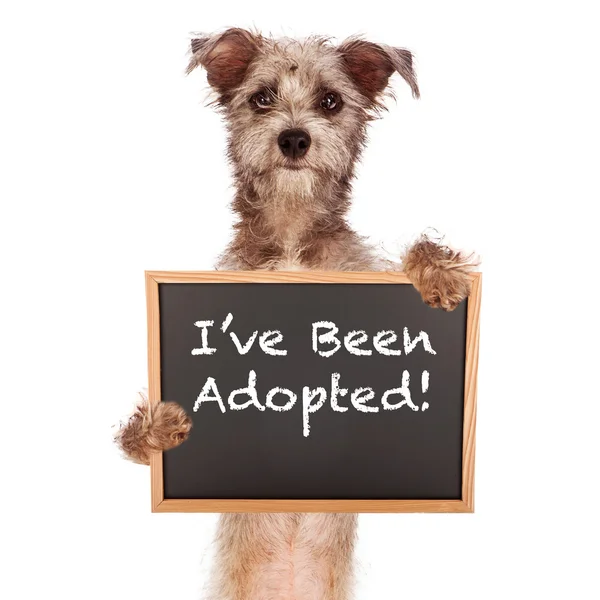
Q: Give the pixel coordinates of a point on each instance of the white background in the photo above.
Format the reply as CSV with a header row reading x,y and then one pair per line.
x,y
112,165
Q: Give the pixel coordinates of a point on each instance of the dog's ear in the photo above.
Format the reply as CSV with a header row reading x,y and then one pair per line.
x,y
225,56
371,65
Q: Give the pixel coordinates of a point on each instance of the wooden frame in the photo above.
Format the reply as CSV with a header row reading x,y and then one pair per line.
x,y
464,505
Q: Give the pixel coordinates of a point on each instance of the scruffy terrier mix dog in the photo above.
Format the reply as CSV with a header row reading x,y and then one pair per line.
x,y
297,115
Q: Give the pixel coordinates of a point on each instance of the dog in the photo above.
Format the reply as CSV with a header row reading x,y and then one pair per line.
x,y
297,114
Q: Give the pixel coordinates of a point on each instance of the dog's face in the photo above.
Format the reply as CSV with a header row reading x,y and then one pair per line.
x,y
297,111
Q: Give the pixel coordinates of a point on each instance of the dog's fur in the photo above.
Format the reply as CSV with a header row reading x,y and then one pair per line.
x,y
292,215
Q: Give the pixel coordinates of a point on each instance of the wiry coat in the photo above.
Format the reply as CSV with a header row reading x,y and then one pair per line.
x,y
292,215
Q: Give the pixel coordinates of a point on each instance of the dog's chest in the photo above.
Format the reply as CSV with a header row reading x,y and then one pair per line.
x,y
289,233
290,265
291,257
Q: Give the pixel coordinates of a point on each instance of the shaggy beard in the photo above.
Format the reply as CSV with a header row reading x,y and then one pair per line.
x,y
288,185
294,193
290,202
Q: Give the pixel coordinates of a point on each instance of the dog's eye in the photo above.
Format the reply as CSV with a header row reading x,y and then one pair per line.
x,y
330,101
262,99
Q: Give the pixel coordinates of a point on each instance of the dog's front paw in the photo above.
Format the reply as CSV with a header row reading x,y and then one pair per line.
x,y
439,273
153,428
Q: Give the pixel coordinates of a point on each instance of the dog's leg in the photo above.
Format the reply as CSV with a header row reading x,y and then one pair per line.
x,y
285,556
439,273
152,428
253,558
325,556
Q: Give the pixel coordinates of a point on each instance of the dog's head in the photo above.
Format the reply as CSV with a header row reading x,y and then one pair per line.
x,y
297,111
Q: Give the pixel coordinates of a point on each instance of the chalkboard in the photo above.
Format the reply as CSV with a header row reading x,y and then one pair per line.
x,y
313,392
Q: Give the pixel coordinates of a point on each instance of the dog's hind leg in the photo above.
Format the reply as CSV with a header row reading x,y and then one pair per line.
x,y
284,556
254,557
324,556
152,428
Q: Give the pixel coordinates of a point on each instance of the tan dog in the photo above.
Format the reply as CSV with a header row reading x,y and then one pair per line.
x,y
297,116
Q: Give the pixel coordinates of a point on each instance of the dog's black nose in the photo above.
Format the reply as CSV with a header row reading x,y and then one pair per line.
x,y
294,143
